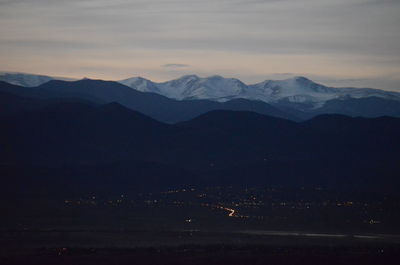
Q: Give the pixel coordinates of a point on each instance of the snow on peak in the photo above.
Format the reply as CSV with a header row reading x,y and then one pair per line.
x,y
27,80
194,87
141,84
302,79
298,89
189,77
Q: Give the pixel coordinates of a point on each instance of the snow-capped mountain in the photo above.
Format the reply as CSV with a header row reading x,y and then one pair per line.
x,y
191,87
298,90
28,80
141,84
368,92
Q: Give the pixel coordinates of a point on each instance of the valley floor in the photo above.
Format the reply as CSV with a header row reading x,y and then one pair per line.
x,y
202,226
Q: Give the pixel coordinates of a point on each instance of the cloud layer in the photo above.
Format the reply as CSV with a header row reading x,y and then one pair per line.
x,y
248,39
175,65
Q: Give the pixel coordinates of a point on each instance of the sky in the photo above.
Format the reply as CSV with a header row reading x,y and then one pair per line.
x,y
335,42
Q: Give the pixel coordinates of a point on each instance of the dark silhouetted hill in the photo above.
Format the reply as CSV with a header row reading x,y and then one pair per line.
x,y
76,146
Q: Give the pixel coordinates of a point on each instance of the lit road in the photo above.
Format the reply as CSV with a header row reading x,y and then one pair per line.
x,y
230,210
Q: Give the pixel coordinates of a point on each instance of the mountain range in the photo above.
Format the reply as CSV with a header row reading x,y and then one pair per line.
x,y
185,98
154,105
59,146
298,90
28,80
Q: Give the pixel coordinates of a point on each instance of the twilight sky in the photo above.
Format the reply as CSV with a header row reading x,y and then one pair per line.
x,y
336,42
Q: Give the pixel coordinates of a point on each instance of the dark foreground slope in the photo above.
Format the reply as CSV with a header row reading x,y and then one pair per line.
x,y
332,150
75,146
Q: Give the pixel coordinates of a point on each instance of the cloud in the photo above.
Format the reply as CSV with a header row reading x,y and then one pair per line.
x,y
175,65
345,39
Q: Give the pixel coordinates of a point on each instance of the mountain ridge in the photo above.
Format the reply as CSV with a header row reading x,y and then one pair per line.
x,y
152,104
296,89
215,87
220,146
297,98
